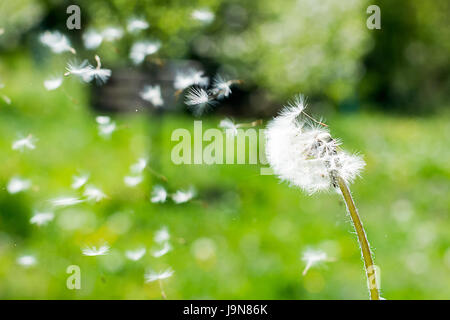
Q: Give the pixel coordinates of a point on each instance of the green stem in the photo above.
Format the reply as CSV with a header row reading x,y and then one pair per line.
x,y
362,238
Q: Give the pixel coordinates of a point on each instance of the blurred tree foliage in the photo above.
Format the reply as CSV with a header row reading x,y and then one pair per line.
x,y
320,48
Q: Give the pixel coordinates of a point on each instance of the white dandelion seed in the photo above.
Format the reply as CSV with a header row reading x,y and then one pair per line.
x,y
6,99
100,74
203,15
17,184
112,33
162,235
92,39
53,83
94,194
135,255
27,260
79,181
182,196
106,130
198,101
132,181
42,218
139,166
137,24
161,252
81,70
221,87
66,201
305,154
313,258
103,119
56,41
229,126
189,78
151,276
159,194
153,95
24,143
94,251
141,49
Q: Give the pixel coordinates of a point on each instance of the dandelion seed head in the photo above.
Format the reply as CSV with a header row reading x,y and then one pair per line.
x,y
221,87
159,194
305,154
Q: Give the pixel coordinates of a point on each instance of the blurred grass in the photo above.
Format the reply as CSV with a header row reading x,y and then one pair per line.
x,y
243,236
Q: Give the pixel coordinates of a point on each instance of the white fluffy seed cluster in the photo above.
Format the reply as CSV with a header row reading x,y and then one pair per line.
x,y
304,153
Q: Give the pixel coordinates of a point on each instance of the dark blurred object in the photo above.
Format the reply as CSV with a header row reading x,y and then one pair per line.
x,y
408,68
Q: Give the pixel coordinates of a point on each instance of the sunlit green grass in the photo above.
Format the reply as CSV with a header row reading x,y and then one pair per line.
x,y
243,235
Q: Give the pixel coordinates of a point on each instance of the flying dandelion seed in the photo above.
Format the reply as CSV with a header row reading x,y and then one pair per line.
x,y
153,95
159,194
182,196
132,181
56,41
198,101
27,261
137,24
66,201
142,49
94,251
162,235
81,70
203,15
16,185
53,83
221,87
135,255
24,143
161,252
6,99
189,78
112,33
94,194
229,126
103,119
139,166
99,74
92,39
42,218
106,130
313,258
79,181
152,276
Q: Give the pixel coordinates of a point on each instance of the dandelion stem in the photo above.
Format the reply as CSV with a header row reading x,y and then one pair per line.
x,y
362,238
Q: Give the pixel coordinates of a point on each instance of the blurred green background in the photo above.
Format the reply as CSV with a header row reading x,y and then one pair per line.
x,y
384,92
